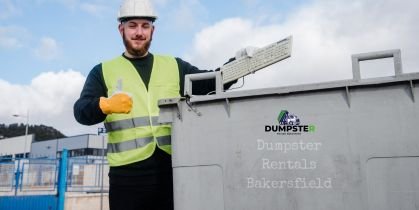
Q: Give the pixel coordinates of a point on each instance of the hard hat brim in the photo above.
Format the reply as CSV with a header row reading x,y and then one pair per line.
x,y
125,19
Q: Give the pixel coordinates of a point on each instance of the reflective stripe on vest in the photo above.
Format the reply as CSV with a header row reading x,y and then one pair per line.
x,y
133,137
137,143
130,123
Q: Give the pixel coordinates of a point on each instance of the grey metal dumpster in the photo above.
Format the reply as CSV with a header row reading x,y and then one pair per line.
x,y
350,144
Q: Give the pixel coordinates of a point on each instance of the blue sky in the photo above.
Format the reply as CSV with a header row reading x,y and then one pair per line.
x,y
71,34
47,47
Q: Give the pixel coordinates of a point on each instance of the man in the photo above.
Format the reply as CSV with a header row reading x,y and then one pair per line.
x,y
124,93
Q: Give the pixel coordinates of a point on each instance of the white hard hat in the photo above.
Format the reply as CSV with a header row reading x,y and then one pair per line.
x,y
136,8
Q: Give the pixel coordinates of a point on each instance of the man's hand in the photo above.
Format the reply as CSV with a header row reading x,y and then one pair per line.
x,y
118,103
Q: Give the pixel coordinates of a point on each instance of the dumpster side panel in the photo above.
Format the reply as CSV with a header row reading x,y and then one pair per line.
x,y
202,190
334,159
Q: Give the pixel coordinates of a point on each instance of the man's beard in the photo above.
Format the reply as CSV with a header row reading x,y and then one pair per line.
x,y
136,51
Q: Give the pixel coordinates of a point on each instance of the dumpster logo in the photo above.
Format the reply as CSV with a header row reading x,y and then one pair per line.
x,y
285,118
289,124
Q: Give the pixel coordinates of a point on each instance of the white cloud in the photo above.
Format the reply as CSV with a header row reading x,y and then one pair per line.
x,y
49,99
222,40
48,49
325,34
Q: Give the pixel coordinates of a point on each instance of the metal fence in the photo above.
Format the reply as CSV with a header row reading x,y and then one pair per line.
x,y
40,176
88,175
6,176
28,176
30,183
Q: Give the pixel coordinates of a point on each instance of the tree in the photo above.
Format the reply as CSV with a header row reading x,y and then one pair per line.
x,y
41,132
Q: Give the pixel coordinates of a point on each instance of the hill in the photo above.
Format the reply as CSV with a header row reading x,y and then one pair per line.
x,y
41,132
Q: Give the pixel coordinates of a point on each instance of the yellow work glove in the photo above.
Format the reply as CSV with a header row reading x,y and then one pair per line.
x,y
118,103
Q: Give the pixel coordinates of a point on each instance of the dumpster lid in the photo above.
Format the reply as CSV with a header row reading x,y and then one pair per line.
x,y
408,78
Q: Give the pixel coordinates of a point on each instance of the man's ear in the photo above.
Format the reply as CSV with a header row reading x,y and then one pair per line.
x,y
121,28
152,30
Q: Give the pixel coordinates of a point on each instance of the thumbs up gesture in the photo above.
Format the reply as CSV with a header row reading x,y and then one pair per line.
x,y
119,102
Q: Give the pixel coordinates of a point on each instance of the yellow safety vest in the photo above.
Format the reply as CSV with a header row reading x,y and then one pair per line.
x,y
133,137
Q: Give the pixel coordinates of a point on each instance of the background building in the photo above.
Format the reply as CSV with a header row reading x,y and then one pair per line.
x,y
87,145
16,147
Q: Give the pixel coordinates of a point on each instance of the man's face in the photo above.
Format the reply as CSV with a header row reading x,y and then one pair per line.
x,y
137,35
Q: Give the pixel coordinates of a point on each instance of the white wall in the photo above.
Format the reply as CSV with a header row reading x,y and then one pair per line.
x,y
15,145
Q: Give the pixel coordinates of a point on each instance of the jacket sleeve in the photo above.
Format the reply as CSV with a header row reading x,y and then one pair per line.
x,y
201,87
86,109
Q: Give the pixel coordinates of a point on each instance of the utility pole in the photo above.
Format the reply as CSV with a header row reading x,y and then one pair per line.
x,y
26,129
99,132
